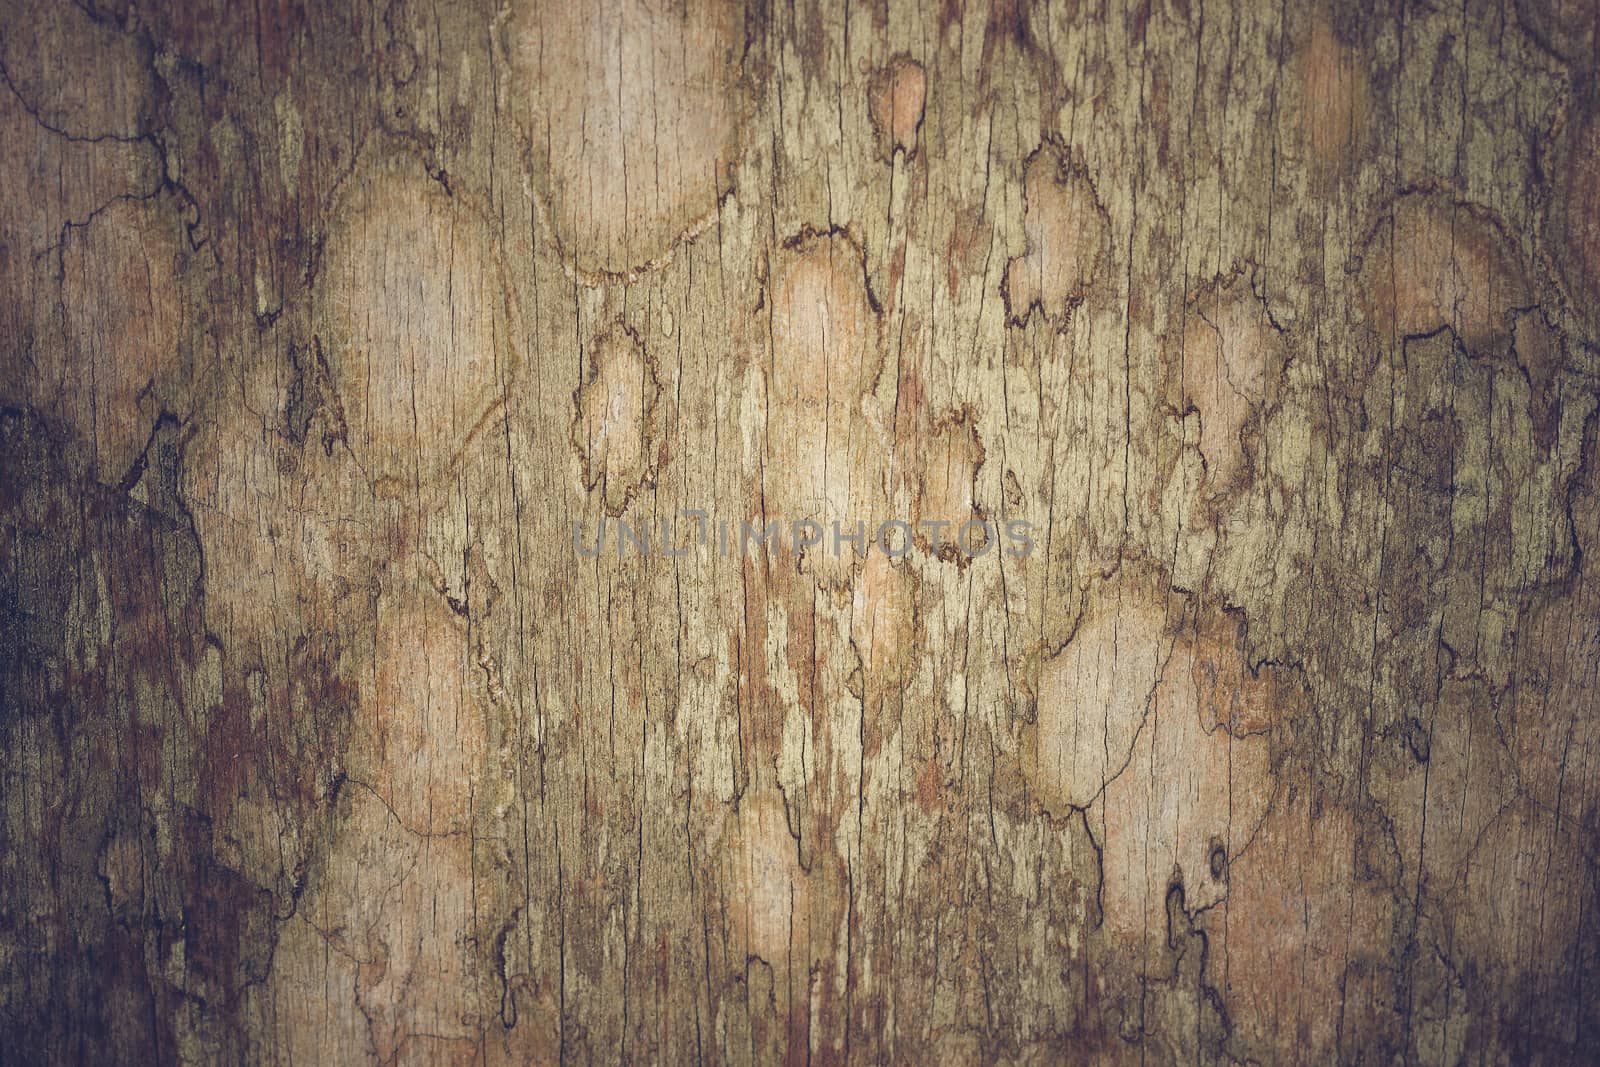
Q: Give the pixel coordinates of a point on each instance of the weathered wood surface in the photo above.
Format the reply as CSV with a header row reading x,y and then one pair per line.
x,y
322,325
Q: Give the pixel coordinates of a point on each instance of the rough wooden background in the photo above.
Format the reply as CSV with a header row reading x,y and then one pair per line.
x,y
322,323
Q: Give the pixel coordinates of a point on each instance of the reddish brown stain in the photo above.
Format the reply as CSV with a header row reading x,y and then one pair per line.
x,y
1159,730
970,237
883,619
1231,693
930,787
1317,934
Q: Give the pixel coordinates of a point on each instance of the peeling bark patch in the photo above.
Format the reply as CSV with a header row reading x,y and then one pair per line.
x,y
1067,230
1439,262
899,94
275,567
1469,831
67,181
824,324
418,326
635,113
125,316
1158,730
614,428
424,732
375,961
883,626
394,894
122,867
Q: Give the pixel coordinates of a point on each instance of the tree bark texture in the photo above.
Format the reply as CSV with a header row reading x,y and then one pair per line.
x,y
323,324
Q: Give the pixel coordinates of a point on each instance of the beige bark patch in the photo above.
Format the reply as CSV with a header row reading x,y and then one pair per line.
x,y
418,325
899,94
312,988
419,985
125,317
1301,934
1094,697
1443,263
1067,230
1192,792
771,890
1334,102
89,98
1576,228
883,619
634,114
1230,350
949,457
614,424
826,451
